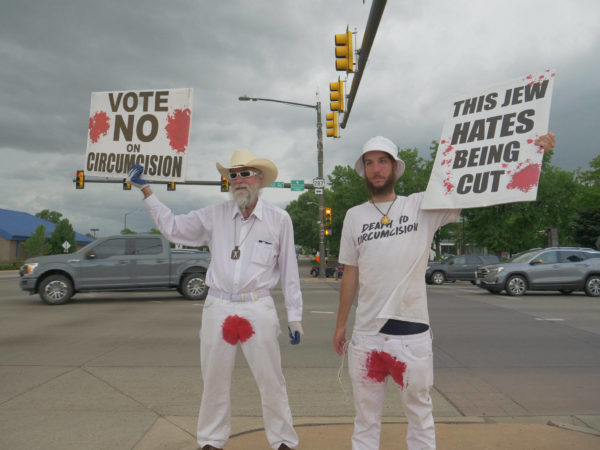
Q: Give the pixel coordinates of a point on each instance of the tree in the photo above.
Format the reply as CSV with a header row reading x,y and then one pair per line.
x,y
347,190
304,213
418,170
515,227
127,231
62,232
50,216
36,244
587,228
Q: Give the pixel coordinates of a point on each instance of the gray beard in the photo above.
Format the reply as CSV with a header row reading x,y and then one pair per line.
x,y
245,198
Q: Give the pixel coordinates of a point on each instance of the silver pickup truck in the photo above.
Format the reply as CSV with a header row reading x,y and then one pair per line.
x,y
117,263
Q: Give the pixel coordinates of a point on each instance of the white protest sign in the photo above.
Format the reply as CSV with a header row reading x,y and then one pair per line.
x,y
487,154
150,128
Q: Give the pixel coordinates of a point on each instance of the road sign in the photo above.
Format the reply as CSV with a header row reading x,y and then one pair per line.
x,y
297,185
318,182
66,246
318,191
276,184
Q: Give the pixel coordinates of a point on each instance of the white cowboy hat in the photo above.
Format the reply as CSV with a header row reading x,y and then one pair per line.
x,y
245,158
383,144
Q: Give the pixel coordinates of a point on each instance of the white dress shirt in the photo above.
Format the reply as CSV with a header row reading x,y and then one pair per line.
x,y
265,241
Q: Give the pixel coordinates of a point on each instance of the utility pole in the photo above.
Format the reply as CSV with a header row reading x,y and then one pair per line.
x,y
317,106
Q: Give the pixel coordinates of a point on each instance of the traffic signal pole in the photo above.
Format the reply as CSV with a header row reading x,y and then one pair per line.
x,y
317,106
375,14
322,273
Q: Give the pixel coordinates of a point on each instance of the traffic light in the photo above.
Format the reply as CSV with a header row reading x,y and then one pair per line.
x,y
336,95
328,232
344,56
170,185
224,184
79,179
126,186
332,124
327,216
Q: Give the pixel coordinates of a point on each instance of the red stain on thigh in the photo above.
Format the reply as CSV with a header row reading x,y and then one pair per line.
x,y
525,178
236,328
99,125
382,364
178,129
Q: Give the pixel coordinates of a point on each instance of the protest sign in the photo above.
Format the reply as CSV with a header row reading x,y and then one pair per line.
x,y
150,128
487,154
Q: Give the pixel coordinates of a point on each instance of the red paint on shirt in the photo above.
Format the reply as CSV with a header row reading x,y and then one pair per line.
x,y
525,178
178,129
99,125
382,364
236,328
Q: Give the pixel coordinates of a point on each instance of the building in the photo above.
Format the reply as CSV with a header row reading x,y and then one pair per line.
x,y
16,227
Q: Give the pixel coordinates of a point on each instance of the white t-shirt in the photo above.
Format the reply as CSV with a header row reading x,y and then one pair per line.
x,y
391,259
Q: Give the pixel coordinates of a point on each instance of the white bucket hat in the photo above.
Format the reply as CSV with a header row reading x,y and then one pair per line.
x,y
245,158
383,144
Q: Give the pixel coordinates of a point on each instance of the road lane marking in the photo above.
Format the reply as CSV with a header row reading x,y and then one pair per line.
x,y
550,319
322,312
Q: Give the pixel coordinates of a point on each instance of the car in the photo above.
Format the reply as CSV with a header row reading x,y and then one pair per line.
x,y
134,262
563,269
461,267
331,271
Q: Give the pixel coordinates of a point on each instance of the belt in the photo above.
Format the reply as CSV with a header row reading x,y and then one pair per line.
x,y
242,297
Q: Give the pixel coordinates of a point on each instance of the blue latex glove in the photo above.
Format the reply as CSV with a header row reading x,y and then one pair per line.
x,y
134,176
295,332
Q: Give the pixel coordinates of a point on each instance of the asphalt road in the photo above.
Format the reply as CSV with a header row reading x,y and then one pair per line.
x,y
103,368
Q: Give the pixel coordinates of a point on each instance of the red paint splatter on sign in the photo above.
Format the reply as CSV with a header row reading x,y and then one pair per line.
x,y
178,129
99,125
525,178
236,328
382,364
448,185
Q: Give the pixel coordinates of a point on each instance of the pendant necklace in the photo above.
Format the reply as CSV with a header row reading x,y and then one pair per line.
x,y
235,253
385,220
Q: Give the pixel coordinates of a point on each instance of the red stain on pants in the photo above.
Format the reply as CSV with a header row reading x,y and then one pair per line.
x,y
382,364
236,328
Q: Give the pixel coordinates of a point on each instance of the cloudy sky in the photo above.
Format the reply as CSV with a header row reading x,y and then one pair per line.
x,y
54,53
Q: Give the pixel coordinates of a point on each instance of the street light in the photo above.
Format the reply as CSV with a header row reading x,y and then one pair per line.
x,y
317,106
93,230
125,217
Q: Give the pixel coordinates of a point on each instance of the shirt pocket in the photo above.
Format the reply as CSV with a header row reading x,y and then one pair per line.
x,y
263,253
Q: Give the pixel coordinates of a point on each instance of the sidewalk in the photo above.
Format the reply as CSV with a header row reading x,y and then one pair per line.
x,y
334,433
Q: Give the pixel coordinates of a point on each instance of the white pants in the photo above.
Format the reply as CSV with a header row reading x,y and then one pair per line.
x,y
408,360
255,325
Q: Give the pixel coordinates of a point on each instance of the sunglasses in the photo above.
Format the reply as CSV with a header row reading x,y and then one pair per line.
x,y
243,174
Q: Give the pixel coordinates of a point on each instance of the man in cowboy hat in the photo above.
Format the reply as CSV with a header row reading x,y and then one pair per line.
x,y
385,248
252,245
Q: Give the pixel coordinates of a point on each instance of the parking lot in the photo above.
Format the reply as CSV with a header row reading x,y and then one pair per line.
x,y
119,371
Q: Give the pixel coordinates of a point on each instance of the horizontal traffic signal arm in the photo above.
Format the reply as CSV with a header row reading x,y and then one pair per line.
x,y
179,183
